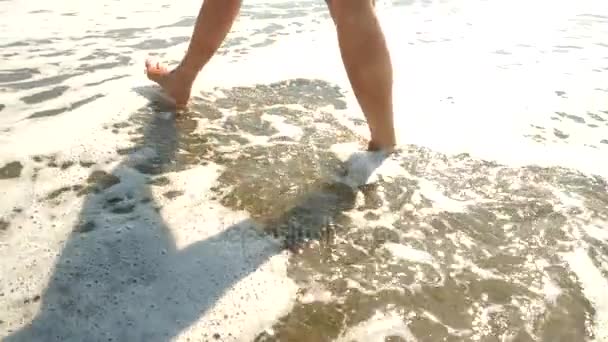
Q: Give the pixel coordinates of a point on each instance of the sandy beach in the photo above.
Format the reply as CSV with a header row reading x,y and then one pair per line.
x,y
256,215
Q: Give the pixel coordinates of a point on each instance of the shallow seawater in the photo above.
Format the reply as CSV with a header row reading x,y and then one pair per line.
x,y
255,215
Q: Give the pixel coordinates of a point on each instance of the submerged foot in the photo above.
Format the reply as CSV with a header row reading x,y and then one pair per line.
x,y
173,83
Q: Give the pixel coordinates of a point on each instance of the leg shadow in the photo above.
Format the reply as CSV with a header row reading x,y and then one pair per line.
x,y
120,275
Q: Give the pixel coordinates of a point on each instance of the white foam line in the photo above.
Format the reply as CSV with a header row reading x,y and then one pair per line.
x,y
597,230
595,288
377,328
410,254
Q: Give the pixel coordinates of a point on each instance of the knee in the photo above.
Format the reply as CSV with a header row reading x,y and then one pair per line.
x,y
350,10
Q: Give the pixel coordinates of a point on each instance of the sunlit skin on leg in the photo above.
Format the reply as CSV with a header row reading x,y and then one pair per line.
x,y
362,46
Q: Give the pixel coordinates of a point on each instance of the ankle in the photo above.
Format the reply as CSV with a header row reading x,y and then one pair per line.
x,y
387,147
383,138
185,73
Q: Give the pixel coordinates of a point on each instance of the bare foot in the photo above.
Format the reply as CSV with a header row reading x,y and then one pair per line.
x,y
173,82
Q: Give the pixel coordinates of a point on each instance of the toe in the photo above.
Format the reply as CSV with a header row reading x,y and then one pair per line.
x,y
155,67
155,71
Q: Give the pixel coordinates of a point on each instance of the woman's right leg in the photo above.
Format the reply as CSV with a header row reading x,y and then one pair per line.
x,y
213,23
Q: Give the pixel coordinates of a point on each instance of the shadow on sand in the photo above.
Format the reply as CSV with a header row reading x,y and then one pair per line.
x,y
121,277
